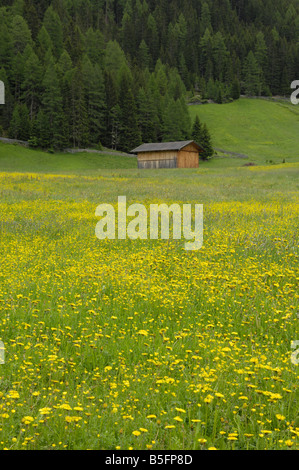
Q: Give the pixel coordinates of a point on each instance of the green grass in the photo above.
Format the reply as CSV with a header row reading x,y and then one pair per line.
x,y
17,158
263,130
126,344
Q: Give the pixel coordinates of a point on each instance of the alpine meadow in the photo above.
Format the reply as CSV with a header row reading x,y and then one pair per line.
x,y
125,344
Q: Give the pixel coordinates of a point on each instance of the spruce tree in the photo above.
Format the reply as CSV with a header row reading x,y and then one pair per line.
x,y
52,24
235,89
196,132
52,106
251,76
31,84
130,136
206,143
93,82
20,124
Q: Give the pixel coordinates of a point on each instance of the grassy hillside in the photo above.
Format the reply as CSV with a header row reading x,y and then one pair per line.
x,y
17,158
263,130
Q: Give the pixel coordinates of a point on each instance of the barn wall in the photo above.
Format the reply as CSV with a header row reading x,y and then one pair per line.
x,y
167,155
190,148
148,160
188,159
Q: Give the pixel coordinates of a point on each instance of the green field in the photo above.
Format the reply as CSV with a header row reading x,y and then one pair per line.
x,y
263,130
141,344
17,158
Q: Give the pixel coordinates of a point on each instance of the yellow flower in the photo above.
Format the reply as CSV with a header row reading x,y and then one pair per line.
x,y
202,441
27,419
72,419
289,443
13,394
64,406
280,417
208,398
136,433
178,418
45,411
180,410
169,426
143,332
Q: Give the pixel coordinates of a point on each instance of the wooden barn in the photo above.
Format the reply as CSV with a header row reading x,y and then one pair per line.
x,y
183,154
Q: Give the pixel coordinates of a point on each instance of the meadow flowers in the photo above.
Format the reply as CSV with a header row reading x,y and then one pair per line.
x,y
119,345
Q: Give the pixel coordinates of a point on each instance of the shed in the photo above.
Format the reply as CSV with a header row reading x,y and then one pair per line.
x,y
183,154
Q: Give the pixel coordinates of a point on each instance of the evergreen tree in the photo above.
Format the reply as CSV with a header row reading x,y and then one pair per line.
x,y
79,118
94,97
147,116
20,34
44,43
219,48
52,107
196,132
251,76
235,89
31,84
20,125
206,143
111,111
53,26
130,136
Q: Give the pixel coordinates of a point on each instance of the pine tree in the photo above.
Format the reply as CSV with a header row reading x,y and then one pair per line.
x,y
251,76
94,96
52,106
147,116
206,143
32,84
235,89
20,124
79,117
20,34
196,132
130,136
44,43
111,112
52,24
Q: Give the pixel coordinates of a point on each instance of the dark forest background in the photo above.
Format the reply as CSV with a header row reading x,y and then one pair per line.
x,y
117,72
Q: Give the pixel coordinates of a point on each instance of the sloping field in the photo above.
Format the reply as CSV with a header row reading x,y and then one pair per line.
x,y
263,130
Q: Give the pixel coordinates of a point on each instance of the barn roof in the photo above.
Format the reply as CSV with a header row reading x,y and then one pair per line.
x,y
164,146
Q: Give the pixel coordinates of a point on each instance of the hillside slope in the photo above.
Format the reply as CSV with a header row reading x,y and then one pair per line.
x,y
263,130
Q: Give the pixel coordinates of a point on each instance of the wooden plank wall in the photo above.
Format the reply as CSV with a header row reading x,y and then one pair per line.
x,y
188,159
167,159
151,164
167,155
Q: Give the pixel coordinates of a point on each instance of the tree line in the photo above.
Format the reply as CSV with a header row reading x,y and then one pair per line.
x,y
116,72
